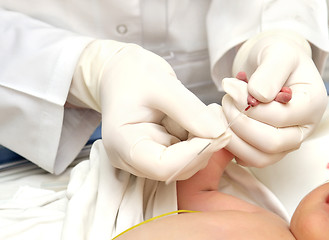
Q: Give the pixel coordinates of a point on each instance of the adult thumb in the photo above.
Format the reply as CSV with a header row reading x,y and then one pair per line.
x,y
275,64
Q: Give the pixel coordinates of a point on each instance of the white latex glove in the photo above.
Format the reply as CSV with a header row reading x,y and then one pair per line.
x,y
270,130
146,112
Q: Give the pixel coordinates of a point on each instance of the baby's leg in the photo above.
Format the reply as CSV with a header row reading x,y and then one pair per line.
x,y
206,179
200,192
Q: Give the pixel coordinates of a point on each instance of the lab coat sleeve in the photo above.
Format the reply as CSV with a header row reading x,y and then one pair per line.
x,y
229,23
37,63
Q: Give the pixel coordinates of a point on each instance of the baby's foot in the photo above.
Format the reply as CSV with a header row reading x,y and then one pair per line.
x,y
284,96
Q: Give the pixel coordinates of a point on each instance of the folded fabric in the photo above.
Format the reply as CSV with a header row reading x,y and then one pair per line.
x,y
105,201
32,203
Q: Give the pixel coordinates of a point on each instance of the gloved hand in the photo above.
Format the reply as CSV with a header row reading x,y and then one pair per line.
x,y
271,129
146,112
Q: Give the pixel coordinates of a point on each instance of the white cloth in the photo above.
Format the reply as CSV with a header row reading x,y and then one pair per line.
x,y
105,201
38,59
98,203
32,203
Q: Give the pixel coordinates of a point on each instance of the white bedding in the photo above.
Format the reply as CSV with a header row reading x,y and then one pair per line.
x,y
32,203
91,200
96,201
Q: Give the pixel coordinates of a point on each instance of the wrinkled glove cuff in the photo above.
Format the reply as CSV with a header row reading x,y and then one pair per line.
x,y
85,87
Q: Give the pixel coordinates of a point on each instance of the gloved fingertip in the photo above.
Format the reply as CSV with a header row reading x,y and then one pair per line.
x,y
228,83
235,88
261,94
209,123
219,121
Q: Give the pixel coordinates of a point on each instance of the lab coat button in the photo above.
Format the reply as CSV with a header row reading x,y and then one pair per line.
x,y
122,29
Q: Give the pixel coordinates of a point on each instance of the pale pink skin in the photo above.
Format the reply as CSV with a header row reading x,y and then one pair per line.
x,y
237,218
311,218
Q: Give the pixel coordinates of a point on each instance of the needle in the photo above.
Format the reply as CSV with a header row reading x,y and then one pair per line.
x,y
238,116
169,180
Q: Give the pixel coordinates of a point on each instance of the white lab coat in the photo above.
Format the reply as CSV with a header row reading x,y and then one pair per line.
x,y
41,42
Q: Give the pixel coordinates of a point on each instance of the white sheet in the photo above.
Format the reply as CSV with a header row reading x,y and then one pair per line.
x,y
104,201
96,202
32,203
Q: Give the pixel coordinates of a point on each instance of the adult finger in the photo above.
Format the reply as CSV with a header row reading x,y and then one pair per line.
x,y
248,155
181,105
153,153
262,136
284,96
174,128
275,64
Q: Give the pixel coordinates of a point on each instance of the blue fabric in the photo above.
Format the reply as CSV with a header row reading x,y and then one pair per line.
x,y
96,135
327,86
7,156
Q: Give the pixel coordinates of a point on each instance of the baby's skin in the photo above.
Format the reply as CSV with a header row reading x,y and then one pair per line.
x,y
200,193
311,218
284,96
